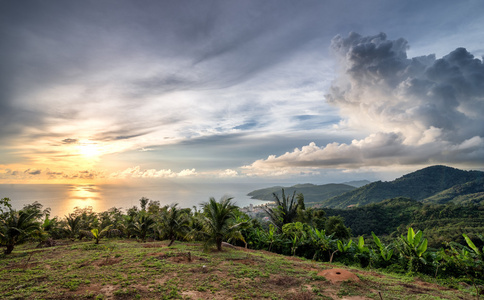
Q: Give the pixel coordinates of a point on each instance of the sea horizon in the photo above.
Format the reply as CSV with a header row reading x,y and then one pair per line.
x,y
63,198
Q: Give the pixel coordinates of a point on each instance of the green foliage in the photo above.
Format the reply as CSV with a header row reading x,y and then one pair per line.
x,y
385,251
414,243
478,253
419,185
344,247
363,252
312,193
17,226
392,217
142,224
335,225
217,223
98,234
285,210
72,227
174,223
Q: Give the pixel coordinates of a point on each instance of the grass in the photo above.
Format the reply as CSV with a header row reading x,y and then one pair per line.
x,y
122,269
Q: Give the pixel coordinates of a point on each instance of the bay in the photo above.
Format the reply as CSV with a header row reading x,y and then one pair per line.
x,y
63,198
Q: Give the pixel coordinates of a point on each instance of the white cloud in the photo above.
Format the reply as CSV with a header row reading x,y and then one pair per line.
x,y
137,172
415,111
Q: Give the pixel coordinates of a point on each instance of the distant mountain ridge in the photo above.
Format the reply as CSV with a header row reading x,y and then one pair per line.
x,y
312,193
435,184
357,183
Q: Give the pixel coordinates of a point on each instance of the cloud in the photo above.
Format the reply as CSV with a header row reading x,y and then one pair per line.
x,y
10,175
417,110
69,141
228,173
137,172
380,89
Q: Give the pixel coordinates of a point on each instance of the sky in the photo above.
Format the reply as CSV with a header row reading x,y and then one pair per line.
x,y
277,91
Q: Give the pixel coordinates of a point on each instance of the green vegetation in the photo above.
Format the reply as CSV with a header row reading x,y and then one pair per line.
x,y
312,193
152,270
436,184
292,230
440,222
217,223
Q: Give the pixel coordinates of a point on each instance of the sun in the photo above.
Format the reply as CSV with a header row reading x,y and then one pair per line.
x,y
89,149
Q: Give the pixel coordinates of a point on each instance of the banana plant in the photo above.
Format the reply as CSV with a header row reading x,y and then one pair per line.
x,y
344,247
271,236
363,252
385,252
479,253
414,243
361,246
321,242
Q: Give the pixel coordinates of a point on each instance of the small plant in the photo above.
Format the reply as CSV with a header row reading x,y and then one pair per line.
x,y
386,252
363,252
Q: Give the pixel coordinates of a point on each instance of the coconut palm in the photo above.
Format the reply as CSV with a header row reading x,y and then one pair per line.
x,y
174,224
98,234
285,210
73,226
142,224
217,221
16,226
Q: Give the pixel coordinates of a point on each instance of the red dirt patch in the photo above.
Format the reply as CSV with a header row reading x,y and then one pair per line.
x,y
338,275
108,262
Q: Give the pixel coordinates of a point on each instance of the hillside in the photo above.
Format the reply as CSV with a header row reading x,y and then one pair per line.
x,y
128,269
357,183
312,193
440,222
472,191
420,185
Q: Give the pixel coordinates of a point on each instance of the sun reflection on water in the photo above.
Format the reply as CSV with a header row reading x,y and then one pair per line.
x,y
83,196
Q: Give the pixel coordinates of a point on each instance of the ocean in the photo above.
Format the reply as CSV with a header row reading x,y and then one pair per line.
x,y
63,198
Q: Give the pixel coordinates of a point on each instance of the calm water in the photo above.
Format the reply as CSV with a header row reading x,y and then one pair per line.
x,y
62,198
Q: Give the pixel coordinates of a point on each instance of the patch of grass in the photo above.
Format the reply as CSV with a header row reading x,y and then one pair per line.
x,y
77,269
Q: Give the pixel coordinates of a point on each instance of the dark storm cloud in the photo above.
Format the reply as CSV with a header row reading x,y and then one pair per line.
x,y
419,110
424,92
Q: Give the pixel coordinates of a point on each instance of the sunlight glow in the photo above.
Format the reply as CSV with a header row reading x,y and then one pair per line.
x,y
89,149
83,196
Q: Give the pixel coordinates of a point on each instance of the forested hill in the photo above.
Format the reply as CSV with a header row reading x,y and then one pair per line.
x,y
436,184
440,222
312,193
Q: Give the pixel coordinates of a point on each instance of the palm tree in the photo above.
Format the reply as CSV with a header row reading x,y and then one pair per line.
x,y
73,225
285,211
16,227
142,224
218,223
99,234
174,224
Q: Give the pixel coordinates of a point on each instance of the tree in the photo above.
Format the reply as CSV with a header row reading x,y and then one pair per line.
x,y
217,222
285,211
336,226
143,202
73,226
174,224
16,226
142,224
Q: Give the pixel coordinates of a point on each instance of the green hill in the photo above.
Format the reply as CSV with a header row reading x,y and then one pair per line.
x,y
420,185
440,222
312,193
472,191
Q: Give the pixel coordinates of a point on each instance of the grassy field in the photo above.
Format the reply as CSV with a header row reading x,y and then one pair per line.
x,y
121,269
